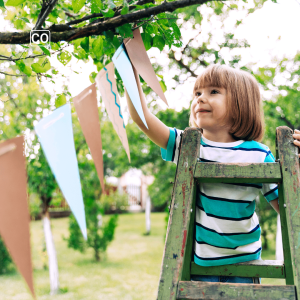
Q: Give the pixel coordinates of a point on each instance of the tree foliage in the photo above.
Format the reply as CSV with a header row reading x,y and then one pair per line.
x,y
5,259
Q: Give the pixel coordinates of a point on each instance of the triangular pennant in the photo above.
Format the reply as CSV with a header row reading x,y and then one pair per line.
x,y
140,60
87,111
124,67
56,137
106,83
14,213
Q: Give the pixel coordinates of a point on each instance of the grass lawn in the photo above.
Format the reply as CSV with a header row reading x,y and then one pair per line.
x,y
130,269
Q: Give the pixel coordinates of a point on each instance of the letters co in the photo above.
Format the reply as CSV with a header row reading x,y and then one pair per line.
x,y
41,37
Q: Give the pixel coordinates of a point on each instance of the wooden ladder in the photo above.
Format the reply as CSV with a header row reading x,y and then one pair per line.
x,y
177,265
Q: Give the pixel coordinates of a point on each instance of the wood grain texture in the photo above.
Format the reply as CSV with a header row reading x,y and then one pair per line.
x,y
289,161
229,291
176,249
258,268
238,173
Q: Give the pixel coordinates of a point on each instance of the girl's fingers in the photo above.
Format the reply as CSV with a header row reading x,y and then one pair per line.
x,y
297,143
296,136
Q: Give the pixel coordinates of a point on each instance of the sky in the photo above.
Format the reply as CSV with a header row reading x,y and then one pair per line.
x,y
272,31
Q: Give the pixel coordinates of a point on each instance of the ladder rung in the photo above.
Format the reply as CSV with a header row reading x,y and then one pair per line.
x,y
233,173
198,290
256,268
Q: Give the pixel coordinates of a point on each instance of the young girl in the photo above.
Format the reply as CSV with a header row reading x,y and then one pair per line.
x,y
227,108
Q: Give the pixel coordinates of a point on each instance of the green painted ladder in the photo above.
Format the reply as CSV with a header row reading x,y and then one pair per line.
x,y
177,265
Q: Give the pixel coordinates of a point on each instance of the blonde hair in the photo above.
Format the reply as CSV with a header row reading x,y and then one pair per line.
x,y
244,104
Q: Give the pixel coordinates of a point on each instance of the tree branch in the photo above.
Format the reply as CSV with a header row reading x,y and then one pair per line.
x,y
283,118
69,34
96,15
43,15
181,64
16,74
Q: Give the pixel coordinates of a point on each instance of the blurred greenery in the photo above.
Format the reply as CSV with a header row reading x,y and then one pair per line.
x,y
5,259
131,265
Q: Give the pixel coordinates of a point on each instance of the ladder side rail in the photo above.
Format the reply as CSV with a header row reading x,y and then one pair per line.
x,y
179,219
290,206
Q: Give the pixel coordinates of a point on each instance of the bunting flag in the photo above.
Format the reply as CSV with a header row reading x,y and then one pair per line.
x,y
123,65
87,111
56,137
140,60
14,213
106,83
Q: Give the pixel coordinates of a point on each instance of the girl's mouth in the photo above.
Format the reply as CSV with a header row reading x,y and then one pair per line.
x,y
203,111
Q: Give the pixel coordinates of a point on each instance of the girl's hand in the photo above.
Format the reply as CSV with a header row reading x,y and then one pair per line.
x,y
296,136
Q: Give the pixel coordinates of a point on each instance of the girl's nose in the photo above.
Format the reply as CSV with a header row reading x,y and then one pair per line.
x,y
201,98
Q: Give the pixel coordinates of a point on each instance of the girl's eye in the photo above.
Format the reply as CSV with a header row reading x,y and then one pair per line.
x,y
214,92
198,94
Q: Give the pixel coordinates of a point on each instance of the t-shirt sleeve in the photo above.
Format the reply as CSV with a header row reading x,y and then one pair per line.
x,y
172,151
270,190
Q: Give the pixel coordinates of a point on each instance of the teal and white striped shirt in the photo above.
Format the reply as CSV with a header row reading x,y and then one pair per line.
x,y
227,230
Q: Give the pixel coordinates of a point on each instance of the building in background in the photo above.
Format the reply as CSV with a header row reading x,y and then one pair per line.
x,y
134,183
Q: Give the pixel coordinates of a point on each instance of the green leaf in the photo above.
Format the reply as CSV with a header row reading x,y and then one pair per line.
x,y
75,55
85,44
96,6
14,2
2,4
60,100
26,47
172,18
152,28
125,31
176,30
125,8
23,68
97,47
41,68
54,46
147,39
92,77
108,13
138,7
24,54
77,5
163,86
158,42
64,57
45,50
25,20
54,71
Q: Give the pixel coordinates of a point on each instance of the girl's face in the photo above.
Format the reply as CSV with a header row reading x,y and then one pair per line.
x,y
209,109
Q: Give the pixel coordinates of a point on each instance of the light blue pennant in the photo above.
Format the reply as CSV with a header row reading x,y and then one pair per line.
x,y
124,67
55,134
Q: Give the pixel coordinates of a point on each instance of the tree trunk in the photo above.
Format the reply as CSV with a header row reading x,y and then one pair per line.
x,y
147,215
279,249
53,267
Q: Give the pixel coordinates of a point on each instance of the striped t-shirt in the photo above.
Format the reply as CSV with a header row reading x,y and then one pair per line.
x,y
227,230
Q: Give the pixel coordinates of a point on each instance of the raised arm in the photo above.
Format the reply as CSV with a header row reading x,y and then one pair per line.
x,y
157,131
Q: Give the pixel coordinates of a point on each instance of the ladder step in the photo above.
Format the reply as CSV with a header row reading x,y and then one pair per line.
x,y
255,268
238,173
198,290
